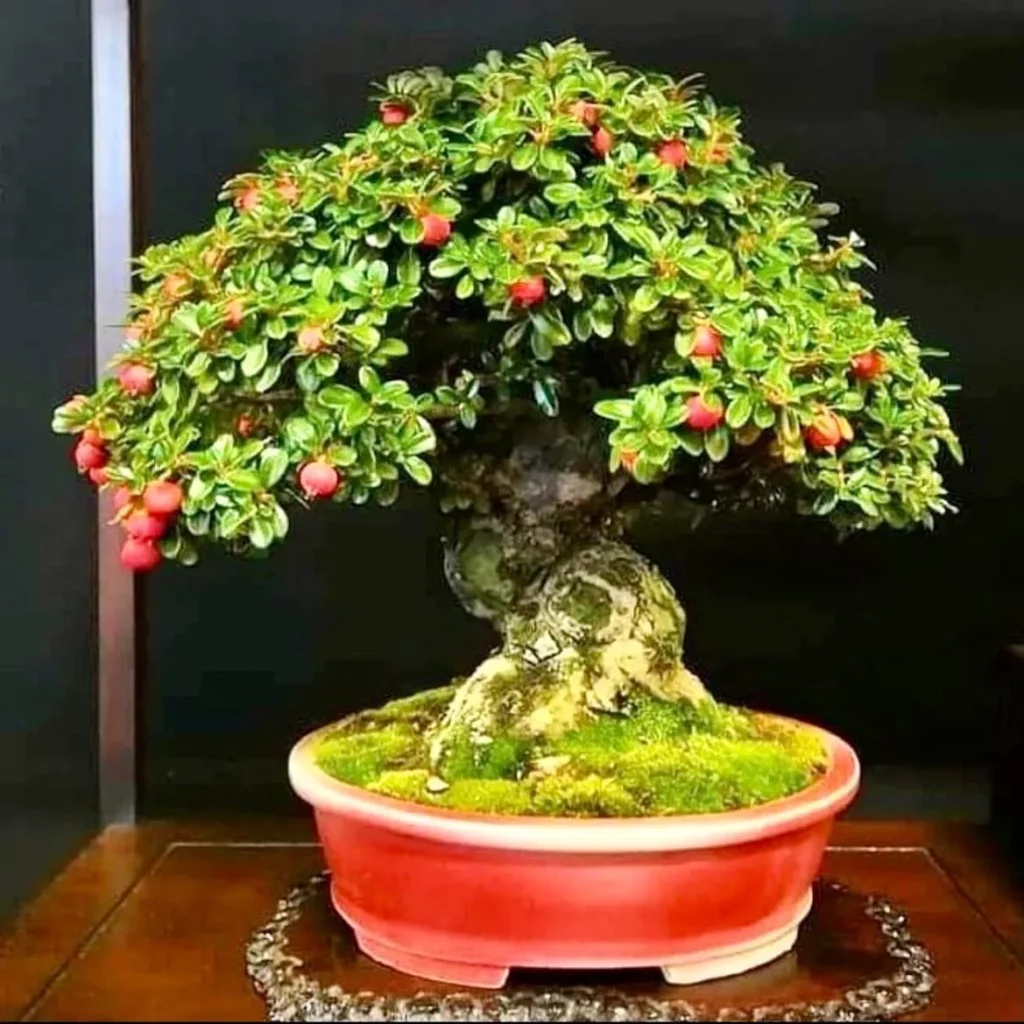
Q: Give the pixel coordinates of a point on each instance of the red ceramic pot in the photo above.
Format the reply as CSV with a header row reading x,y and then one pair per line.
x,y
462,898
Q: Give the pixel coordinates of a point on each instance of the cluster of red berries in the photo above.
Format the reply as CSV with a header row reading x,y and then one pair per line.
x,y
91,456
827,431
145,521
250,198
601,140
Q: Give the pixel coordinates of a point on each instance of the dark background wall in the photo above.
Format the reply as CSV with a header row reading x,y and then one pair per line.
x,y
908,114
47,548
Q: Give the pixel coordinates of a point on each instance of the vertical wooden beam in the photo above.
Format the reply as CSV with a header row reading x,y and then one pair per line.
x,y
112,243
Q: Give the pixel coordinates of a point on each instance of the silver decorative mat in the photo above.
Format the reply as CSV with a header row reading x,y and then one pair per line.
x,y
856,960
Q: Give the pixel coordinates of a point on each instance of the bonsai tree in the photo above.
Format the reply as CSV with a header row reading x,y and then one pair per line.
x,y
562,295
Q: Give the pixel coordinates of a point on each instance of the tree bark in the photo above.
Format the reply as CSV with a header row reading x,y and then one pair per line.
x,y
592,628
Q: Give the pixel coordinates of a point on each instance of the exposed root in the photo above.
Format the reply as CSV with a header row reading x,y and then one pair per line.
x,y
602,626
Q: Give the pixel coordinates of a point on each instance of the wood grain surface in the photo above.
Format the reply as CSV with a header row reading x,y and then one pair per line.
x,y
150,924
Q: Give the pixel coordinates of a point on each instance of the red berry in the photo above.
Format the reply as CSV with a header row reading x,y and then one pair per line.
x,y
248,200
867,365
602,141
702,416
234,313
825,432
145,526
122,496
673,152
162,497
140,555
319,479
135,379
394,113
287,190
706,341
99,476
585,111
92,436
628,460
311,339
244,425
176,285
90,456
436,229
529,291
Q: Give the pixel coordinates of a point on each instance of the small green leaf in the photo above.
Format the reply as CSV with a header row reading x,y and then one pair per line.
x,y
692,442
739,411
197,365
546,396
524,157
549,322
614,409
255,358
299,430
277,328
280,522
261,533
392,348
465,287
645,298
515,333
764,415
337,396
323,281
562,192
244,480
199,487
582,325
369,380
418,469
377,273
445,266
716,443
273,463
411,231
352,280
409,269
541,345
268,378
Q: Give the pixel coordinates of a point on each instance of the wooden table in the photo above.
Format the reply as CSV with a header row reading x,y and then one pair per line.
x,y
149,923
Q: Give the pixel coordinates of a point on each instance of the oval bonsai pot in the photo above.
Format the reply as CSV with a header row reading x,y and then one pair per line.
x,y
462,898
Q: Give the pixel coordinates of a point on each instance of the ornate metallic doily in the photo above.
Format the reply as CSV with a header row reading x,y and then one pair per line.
x,y
291,995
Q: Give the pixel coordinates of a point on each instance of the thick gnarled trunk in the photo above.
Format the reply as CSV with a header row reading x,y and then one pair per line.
x,y
582,635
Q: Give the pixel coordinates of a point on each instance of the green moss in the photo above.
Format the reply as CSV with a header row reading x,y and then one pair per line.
x,y
359,757
658,758
405,784
502,758
487,796
589,797
587,604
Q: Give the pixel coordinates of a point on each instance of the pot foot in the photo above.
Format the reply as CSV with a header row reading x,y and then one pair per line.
x,y
431,968
725,962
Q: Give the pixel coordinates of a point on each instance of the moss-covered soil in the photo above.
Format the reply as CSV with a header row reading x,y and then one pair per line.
x,y
659,759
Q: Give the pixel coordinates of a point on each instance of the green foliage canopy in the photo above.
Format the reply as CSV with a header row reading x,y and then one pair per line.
x,y
313,320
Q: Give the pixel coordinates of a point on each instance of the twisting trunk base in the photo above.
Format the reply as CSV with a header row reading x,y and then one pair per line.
x,y
599,627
